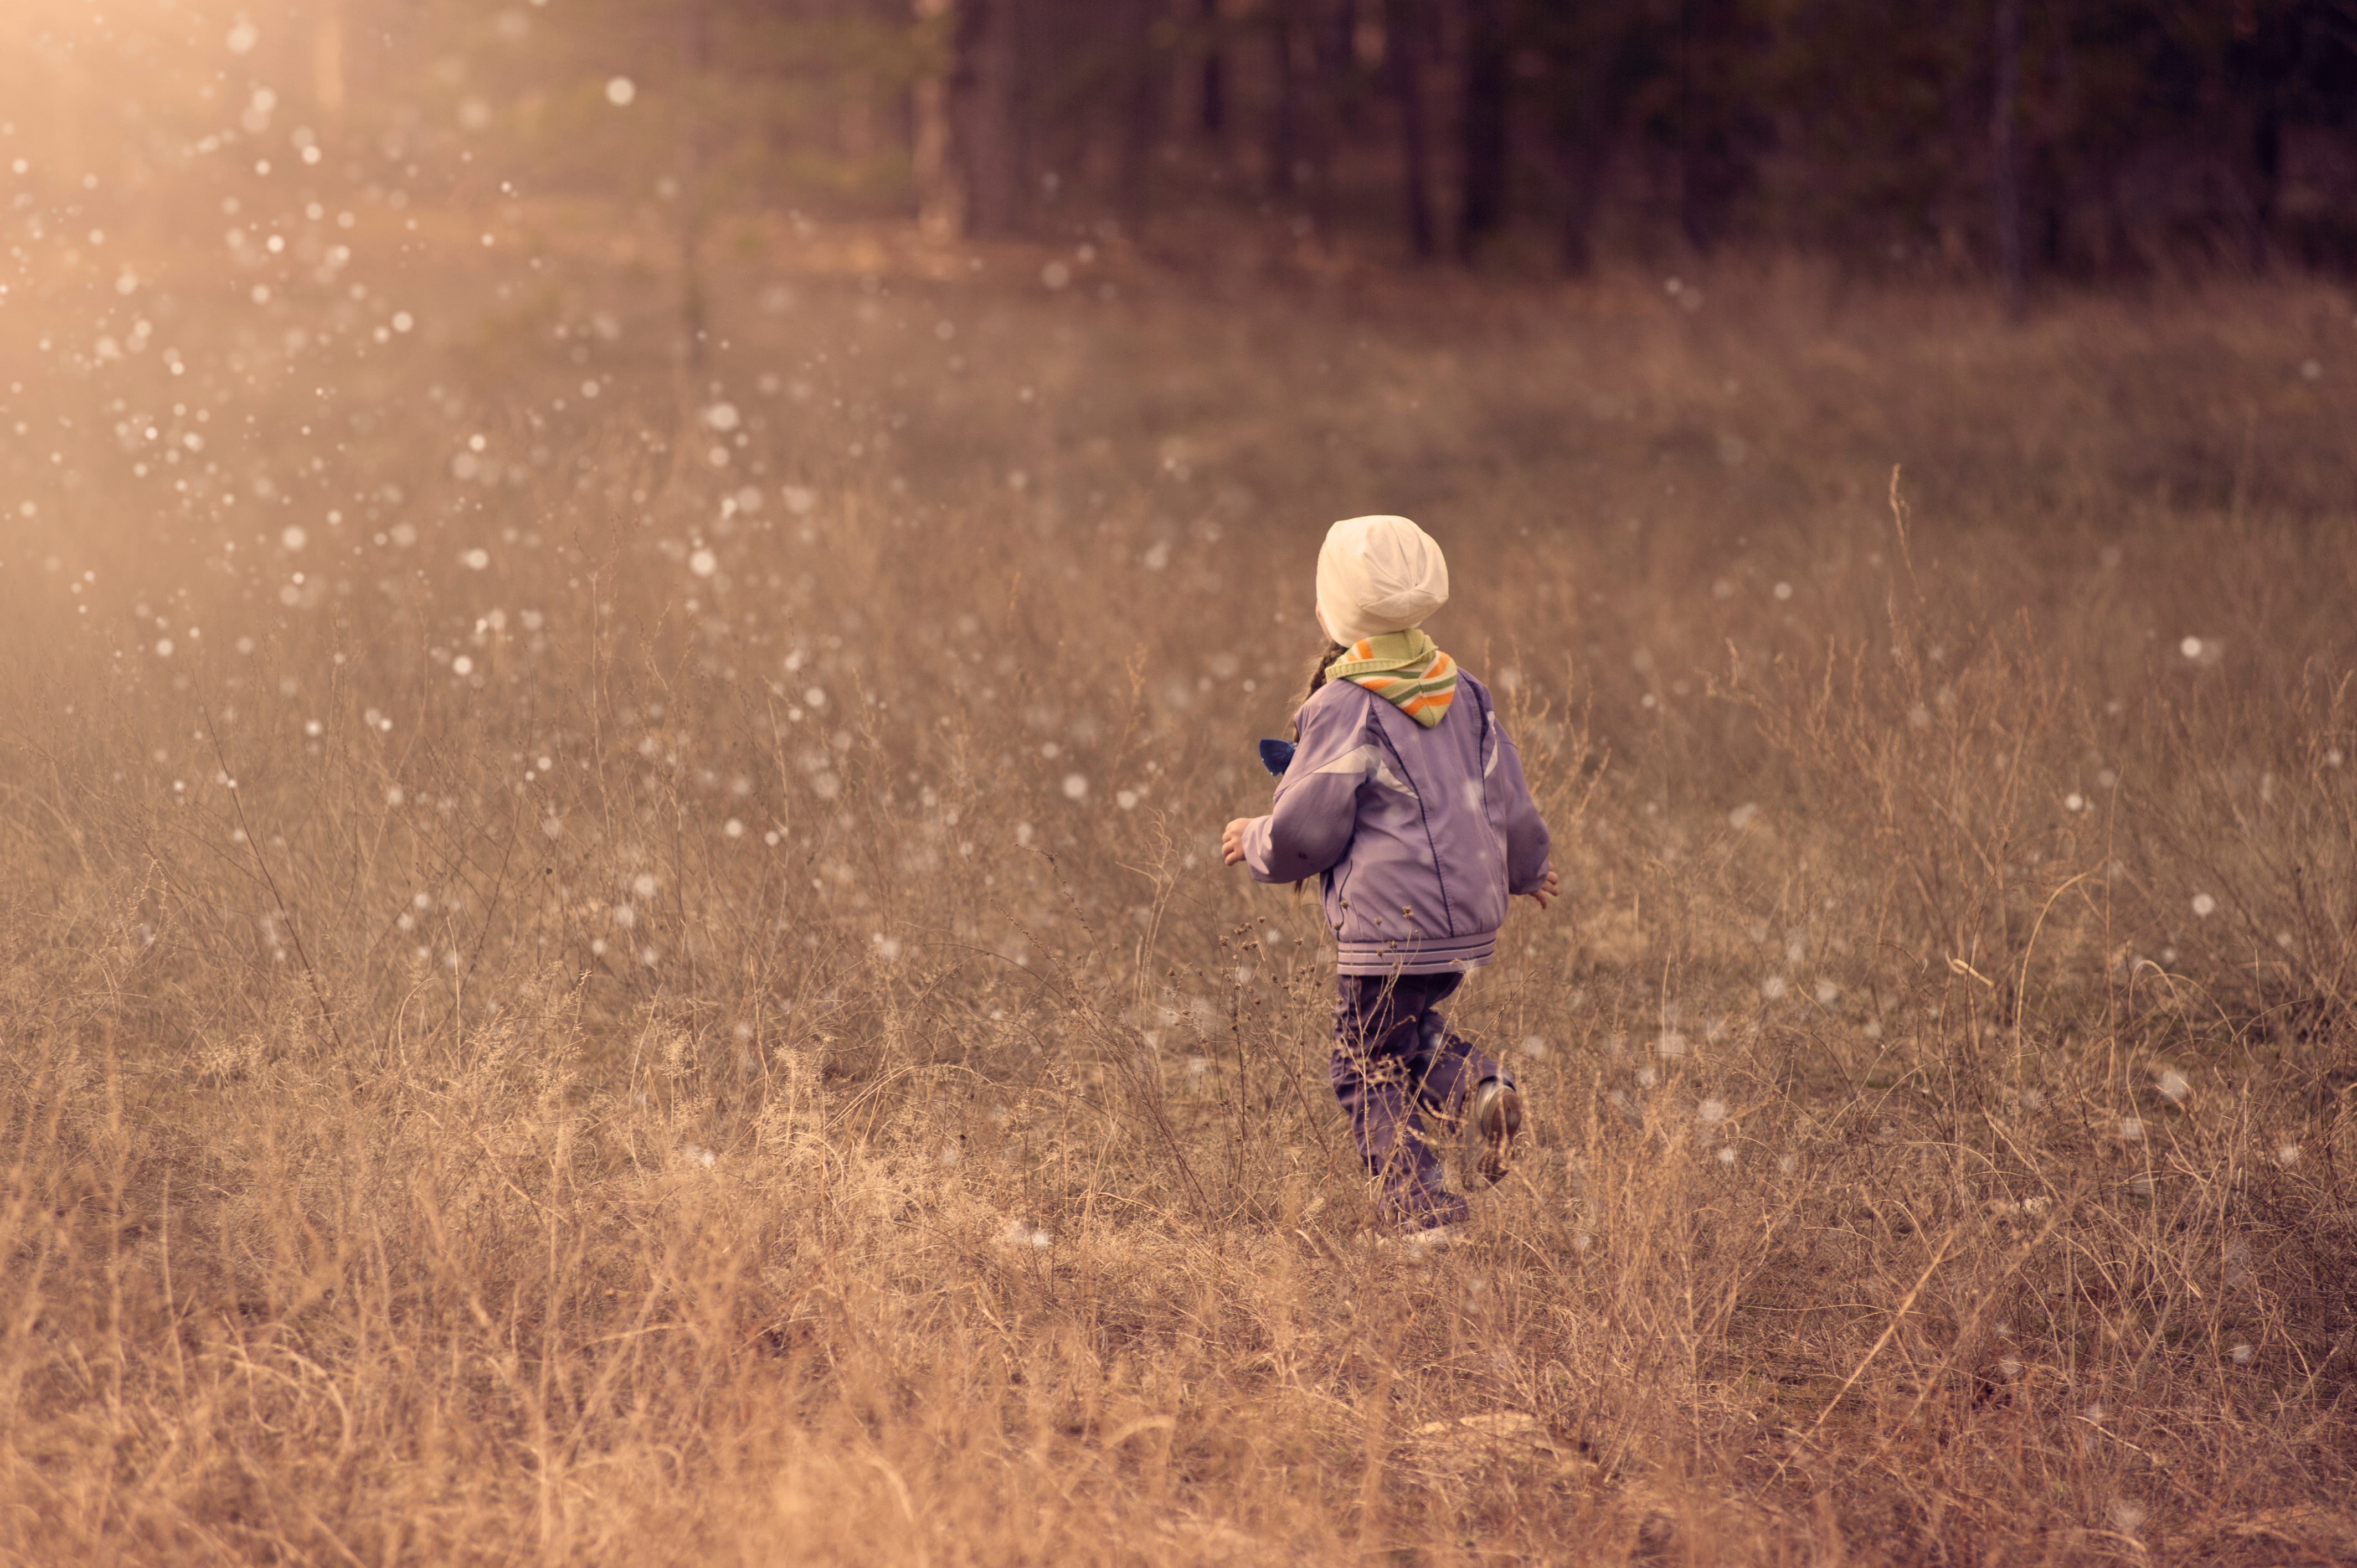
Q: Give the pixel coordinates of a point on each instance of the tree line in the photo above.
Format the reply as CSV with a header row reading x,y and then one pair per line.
x,y
2013,138
2087,136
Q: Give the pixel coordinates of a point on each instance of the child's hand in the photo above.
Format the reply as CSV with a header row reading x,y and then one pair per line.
x,y
1232,842
1549,889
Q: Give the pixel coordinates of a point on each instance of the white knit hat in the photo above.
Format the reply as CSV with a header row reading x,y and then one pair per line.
x,y
1377,574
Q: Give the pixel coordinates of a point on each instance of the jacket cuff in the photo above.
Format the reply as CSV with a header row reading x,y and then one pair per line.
x,y
1256,833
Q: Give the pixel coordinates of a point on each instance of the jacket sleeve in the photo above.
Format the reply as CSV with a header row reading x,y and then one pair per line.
x,y
1316,807
1526,836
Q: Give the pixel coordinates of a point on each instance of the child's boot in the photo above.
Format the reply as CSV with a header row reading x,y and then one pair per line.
x,y
1496,1119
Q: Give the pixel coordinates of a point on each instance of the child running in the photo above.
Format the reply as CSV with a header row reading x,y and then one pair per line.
x,y
1406,798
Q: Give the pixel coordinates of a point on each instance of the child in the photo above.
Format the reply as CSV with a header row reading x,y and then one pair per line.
x,y
1406,799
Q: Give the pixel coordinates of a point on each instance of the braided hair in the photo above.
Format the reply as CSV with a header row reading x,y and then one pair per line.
x,y
1317,677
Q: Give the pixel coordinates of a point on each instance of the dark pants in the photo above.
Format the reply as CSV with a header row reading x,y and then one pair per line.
x,y
1404,1076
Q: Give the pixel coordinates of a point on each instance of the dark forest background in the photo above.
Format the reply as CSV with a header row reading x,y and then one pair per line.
x,y
2010,138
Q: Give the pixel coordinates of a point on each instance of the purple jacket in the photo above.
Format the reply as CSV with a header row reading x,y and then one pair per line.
x,y
1422,834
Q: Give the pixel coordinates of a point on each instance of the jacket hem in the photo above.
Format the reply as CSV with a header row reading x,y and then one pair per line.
x,y
1422,958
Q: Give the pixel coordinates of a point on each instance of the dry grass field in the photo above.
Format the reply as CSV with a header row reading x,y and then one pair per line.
x,y
612,959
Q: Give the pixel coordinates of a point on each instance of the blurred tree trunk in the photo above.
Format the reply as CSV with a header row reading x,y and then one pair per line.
x,y
1714,49
1488,68
1333,47
2005,157
2052,165
986,116
1403,58
940,192
2266,178
1213,104
1284,112
1337,51
1145,90
1598,56
1693,134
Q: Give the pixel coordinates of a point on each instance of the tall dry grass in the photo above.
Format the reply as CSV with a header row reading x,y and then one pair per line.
x,y
713,1029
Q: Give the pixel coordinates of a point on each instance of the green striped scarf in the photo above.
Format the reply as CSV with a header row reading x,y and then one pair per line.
x,y
1404,668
